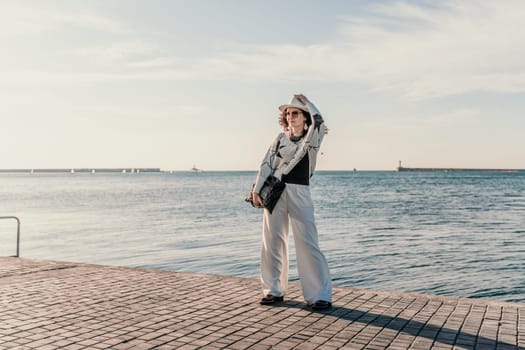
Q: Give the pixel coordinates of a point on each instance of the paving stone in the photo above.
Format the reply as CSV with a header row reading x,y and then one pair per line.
x,y
50,305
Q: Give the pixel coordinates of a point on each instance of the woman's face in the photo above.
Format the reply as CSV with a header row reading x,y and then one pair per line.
x,y
295,117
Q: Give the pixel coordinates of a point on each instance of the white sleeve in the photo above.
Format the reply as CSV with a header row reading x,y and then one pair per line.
x,y
267,164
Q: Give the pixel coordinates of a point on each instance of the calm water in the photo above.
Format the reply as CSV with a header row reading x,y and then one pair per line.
x,y
458,234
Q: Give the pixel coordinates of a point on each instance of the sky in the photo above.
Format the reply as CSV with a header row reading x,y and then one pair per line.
x,y
170,84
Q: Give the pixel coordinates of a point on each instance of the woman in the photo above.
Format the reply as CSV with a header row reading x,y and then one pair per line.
x,y
292,157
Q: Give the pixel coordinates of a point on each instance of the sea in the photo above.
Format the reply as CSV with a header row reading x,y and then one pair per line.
x,y
454,233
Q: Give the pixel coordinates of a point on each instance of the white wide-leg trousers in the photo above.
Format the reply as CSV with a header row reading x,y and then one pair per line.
x,y
296,207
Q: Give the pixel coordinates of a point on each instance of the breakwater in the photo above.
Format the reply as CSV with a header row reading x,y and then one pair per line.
x,y
83,170
460,169
507,170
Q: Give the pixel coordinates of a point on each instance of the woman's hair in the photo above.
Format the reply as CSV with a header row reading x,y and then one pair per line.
x,y
284,123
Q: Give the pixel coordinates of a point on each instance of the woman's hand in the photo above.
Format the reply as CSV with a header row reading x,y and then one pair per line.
x,y
257,201
301,98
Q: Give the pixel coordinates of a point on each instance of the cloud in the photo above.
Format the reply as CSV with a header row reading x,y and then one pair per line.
x,y
36,17
91,21
461,47
420,51
463,118
155,62
424,52
116,53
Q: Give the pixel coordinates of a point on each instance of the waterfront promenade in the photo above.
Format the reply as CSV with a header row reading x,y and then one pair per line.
x,y
60,305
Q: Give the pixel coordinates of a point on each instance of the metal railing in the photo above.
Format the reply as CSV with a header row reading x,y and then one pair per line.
x,y
17,233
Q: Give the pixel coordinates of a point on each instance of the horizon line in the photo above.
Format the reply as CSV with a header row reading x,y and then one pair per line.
x,y
161,170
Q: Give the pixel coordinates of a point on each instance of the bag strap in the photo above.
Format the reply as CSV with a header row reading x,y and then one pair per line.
x,y
275,150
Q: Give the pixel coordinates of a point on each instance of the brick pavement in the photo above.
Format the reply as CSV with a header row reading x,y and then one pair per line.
x,y
56,305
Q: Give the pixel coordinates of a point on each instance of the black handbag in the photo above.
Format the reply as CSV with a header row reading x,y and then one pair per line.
x,y
270,193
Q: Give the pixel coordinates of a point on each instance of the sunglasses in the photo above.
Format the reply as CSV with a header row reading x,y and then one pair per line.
x,y
293,113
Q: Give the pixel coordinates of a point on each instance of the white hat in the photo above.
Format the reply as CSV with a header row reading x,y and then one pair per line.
x,y
294,102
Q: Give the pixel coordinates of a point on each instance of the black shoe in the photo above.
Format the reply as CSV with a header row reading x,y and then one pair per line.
x,y
321,305
271,299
